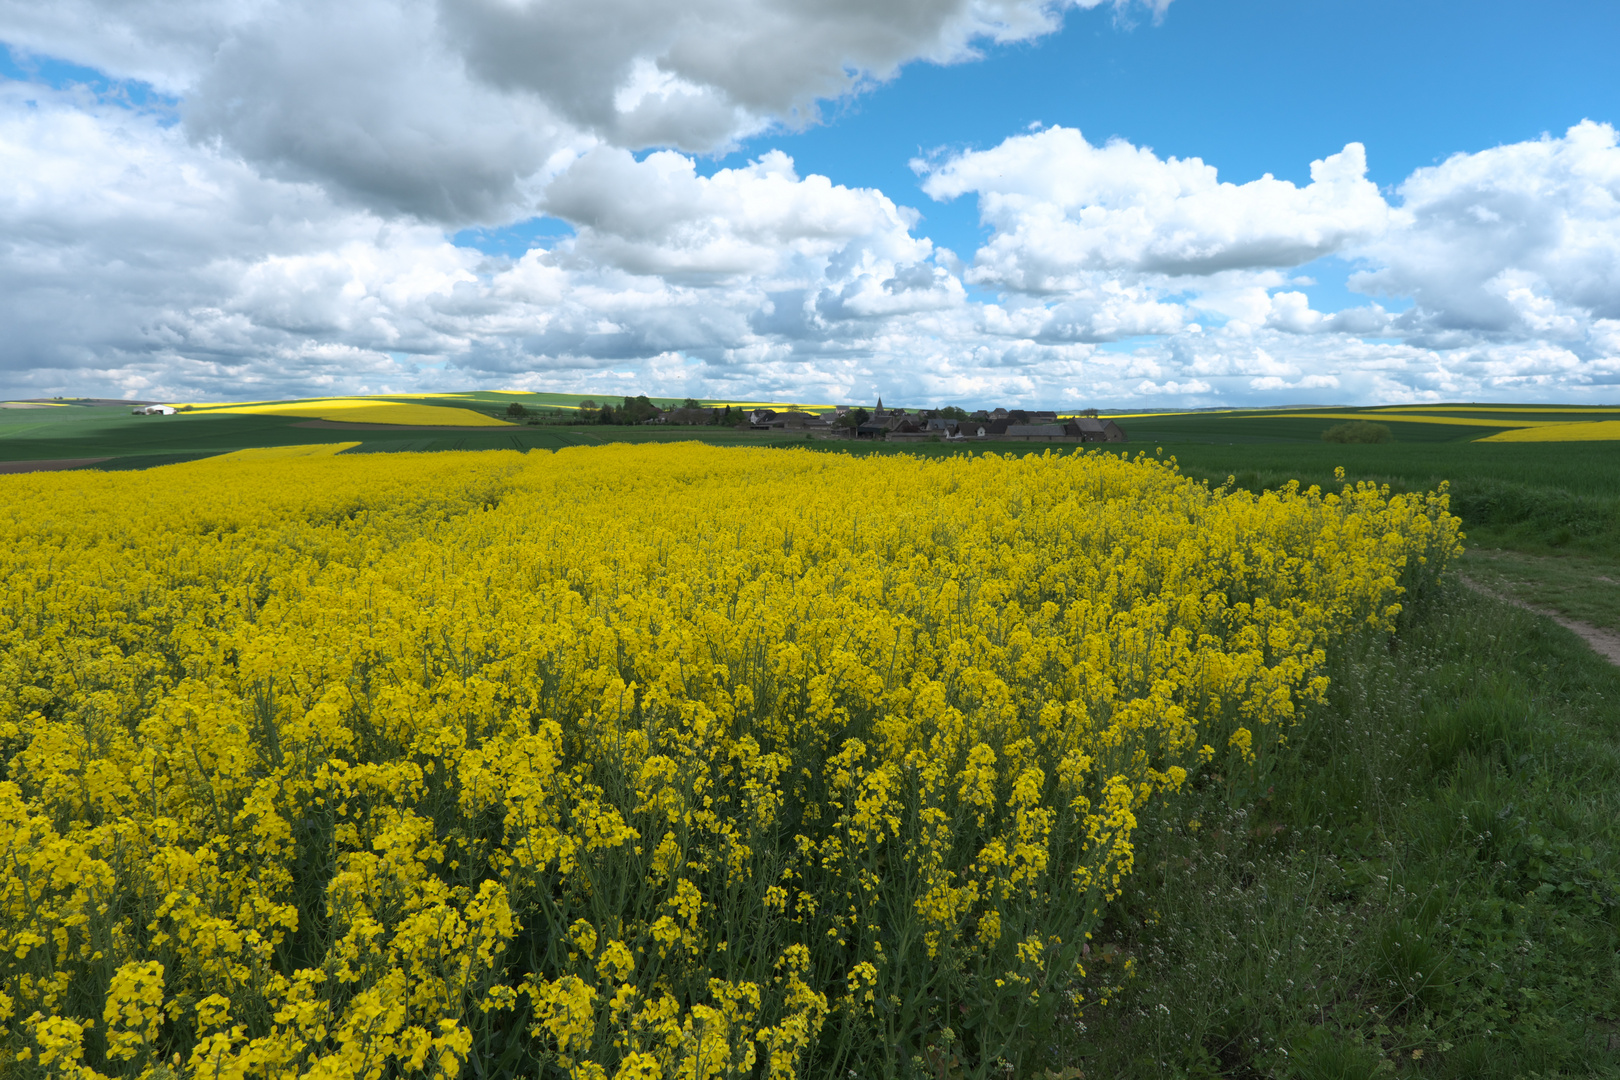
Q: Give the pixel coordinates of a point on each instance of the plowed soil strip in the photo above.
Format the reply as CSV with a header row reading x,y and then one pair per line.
x,y
52,465
342,425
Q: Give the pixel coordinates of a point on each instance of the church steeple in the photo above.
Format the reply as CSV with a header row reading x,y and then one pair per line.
x,y
879,411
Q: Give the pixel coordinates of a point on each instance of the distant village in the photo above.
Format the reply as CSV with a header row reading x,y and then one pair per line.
x,y
843,422
901,425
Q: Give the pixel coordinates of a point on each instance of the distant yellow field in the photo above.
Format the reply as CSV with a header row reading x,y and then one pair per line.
x,y
780,405
1591,431
1460,421
1104,415
1495,409
361,411
281,453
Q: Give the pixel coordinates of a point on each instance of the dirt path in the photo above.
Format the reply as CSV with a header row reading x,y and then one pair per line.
x,y
1606,643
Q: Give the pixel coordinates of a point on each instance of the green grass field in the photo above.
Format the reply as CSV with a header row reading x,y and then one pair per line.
x,y
122,440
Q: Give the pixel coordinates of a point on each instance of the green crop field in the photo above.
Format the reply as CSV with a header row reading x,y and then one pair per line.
x,y
109,437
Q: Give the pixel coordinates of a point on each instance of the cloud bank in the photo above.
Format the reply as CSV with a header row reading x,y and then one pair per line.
x,y
283,227
459,110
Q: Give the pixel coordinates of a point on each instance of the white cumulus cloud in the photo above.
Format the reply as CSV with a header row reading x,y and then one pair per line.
x,y
1519,241
1062,208
455,109
658,216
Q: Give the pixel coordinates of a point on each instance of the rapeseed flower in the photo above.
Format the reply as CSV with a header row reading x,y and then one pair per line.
x,y
623,762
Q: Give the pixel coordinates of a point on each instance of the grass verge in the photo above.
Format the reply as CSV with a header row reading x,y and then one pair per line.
x,y
1572,583
1425,883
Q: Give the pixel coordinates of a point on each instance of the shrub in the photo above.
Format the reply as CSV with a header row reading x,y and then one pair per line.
x,y
1358,431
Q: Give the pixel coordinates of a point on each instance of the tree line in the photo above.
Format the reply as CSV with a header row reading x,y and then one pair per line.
x,y
632,410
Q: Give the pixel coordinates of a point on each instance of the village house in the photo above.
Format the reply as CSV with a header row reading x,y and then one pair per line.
x,y
1022,425
982,429
1035,431
1091,429
912,430
804,421
788,420
689,416
881,423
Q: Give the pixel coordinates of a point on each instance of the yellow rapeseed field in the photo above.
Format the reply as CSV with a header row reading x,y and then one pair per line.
x,y
1424,418
1588,431
623,762
282,453
360,411
1532,409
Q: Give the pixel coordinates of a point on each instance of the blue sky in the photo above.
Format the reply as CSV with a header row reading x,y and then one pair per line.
x,y
615,195
1250,86
47,71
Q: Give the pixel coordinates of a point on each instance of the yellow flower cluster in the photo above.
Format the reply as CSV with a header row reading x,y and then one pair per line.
x,y
621,762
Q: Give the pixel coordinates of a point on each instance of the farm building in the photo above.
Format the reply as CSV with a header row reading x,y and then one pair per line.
x,y
1090,429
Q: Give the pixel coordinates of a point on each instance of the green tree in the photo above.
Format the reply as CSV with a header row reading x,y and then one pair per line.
x,y
516,410
636,409
1358,431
